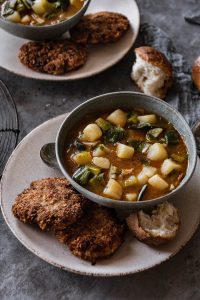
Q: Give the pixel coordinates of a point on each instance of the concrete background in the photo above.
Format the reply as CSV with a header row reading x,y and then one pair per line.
x,y
23,275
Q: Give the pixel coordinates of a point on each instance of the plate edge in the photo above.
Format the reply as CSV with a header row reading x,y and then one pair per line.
x,y
60,79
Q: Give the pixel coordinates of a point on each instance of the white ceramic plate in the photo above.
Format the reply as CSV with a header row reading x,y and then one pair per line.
x,y
25,166
100,57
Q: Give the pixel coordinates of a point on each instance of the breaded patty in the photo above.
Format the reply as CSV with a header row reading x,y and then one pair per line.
x,y
52,203
54,57
97,235
100,28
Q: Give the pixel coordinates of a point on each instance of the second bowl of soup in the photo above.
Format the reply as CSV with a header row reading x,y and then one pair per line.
x,y
41,19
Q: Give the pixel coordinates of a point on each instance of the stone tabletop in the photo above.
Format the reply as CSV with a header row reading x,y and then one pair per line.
x,y
25,276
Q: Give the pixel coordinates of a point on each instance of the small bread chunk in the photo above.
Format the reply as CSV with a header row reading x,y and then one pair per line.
x,y
196,72
95,236
157,227
152,72
54,57
100,28
51,203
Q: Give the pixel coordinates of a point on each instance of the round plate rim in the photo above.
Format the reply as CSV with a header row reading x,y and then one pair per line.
x,y
96,274
61,79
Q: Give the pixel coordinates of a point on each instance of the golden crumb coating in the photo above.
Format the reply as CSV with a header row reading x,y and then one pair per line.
x,y
97,235
53,57
100,28
51,203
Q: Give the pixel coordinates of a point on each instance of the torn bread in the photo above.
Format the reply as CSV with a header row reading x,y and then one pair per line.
x,y
157,227
196,72
152,72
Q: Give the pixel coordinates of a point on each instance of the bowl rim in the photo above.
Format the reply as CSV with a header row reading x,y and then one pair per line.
x,y
39,27
120,203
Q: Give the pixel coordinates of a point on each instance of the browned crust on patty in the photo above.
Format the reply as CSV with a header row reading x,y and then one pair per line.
x,y
51,203
98,234
100,28
156,58
54,57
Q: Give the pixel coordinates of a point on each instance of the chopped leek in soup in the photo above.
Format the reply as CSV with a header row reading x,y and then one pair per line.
x,y
39,12
127,155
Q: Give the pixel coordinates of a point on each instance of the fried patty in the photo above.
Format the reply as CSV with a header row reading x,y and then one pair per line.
x,y
52,203
100,28
54,57
97,235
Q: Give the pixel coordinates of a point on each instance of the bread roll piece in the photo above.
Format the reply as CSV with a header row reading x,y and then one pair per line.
x,y
152,72
196,73
156,228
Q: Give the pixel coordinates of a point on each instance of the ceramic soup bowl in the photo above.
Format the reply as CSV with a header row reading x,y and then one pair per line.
x,y
126,101
46,31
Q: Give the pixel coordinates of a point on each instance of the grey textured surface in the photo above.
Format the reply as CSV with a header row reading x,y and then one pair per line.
x,y
23,275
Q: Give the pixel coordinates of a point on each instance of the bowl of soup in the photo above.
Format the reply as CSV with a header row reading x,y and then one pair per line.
x,y
41,19
126,150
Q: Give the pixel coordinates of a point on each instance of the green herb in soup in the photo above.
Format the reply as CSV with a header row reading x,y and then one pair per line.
x,y
39,12
132,156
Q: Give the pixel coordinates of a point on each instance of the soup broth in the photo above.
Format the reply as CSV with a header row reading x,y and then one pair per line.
x,y
40,12
124,155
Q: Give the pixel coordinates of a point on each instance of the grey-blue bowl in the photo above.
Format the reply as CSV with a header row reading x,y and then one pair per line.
x,y
43,32
127,101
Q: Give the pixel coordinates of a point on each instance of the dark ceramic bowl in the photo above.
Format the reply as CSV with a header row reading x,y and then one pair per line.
x,y
125,100
43,32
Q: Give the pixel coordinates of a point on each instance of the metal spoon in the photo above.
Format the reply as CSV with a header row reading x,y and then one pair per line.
x,y
48,155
